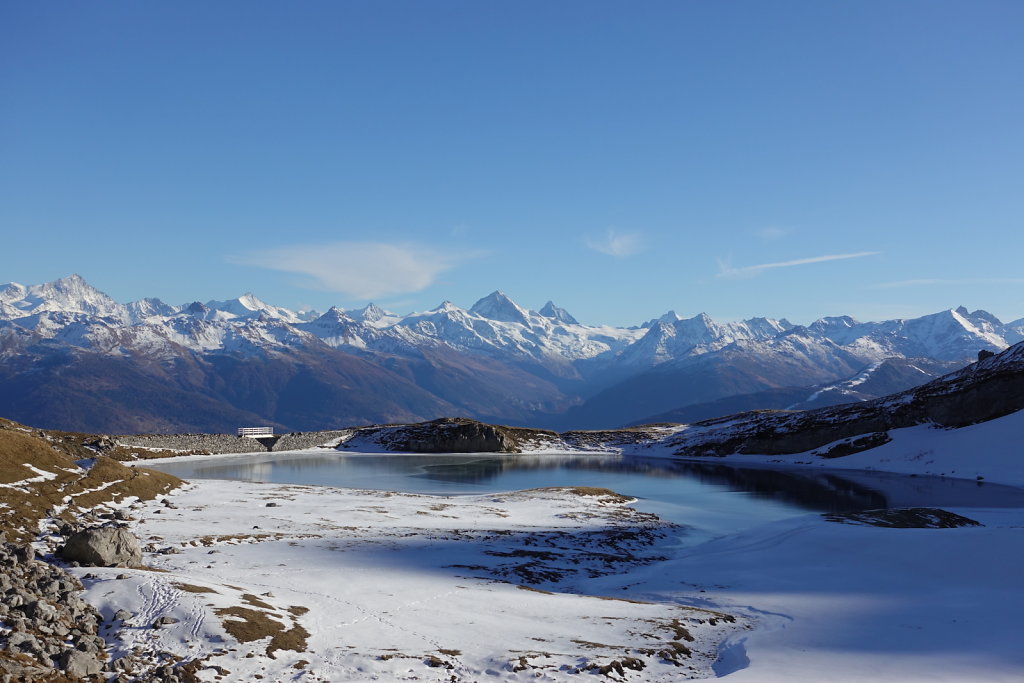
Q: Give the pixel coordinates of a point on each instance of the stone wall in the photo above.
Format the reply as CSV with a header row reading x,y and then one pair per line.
x,y
217,444
299,440
193,443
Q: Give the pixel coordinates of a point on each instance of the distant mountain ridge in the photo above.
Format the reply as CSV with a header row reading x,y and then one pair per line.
x,y
72,357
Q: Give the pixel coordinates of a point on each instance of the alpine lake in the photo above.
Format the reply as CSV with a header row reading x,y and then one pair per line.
x,y
707,499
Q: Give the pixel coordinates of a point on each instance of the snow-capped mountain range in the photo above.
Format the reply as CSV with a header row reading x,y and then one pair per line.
x,y
497,360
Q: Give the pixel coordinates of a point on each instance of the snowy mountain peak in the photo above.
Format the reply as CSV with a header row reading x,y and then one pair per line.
x,y
12,291
552,311
698,324
334,315
370,313
980,318
241,306
823,325
150,307
669,318
375,316
250,301
497,306
196,309
445,307
765,328
250,306
69,294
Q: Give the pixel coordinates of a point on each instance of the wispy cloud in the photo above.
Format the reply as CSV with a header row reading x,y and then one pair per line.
x,y
932,282
615,243
725,268
772,233
360,270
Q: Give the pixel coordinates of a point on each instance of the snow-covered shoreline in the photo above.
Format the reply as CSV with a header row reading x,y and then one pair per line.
x,y
989,451
375,585
378,585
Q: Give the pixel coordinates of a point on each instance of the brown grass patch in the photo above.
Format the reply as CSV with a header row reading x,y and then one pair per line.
x,y
595,646
251,599
192,588
632,602
31,502
235,539
248,625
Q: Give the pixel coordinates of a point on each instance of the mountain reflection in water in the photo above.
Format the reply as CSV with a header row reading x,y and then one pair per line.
x,y
694,484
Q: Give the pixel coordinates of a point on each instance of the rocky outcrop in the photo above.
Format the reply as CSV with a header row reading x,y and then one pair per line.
x,y
103,547
455,436
448,435
613,439
451,435
903,518
52,630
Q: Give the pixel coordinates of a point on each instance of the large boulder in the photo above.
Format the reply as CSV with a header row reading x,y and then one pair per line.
x,y
103,547
79,664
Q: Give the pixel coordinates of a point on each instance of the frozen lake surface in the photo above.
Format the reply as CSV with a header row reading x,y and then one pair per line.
x,y
713,497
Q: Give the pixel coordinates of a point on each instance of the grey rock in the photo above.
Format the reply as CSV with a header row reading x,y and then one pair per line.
x,y
22,642
89,647
80,664
39,610
24,554
103,546
126,663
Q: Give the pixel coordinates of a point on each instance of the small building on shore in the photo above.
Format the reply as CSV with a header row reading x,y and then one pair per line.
x,y
256,432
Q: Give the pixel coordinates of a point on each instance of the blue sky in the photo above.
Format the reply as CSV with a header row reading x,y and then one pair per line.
x,y
790,159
